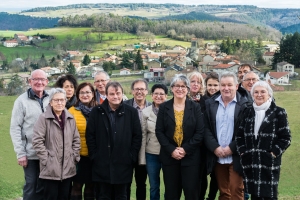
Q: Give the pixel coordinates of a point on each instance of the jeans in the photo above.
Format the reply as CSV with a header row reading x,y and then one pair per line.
x,y
33,187
153,166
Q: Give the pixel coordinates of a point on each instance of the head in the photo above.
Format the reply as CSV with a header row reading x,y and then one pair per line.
x,y
159,94
196,83
249,79
38,81
114,94
242,70
139,90
85,94
228,86
58,99
180,86
68,83
212,83
261,91
100,80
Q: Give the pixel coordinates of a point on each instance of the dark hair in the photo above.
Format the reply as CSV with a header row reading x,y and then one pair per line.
x,y
211,75
60,82
93,102
242,66
160,86
113,84
139,80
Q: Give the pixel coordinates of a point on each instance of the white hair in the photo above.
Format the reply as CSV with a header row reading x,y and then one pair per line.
x,y
262,84
55,91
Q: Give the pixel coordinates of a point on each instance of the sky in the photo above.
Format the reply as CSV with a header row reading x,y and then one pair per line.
x,y
18,5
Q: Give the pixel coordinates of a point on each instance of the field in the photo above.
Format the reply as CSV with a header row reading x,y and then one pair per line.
x,y
11,175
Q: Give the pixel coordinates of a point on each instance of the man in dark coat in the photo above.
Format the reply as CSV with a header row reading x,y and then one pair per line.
x,y
113,138
222,113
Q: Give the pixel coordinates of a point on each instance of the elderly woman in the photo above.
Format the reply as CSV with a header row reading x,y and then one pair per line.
x,y
262,137
150,146
179,130
86,100
69,84
57,144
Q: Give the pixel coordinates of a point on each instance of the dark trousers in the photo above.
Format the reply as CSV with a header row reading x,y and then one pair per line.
x,y
33,187
56,189
140,175
262,198
178,178
109,191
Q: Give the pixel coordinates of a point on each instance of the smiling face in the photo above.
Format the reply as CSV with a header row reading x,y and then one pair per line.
x,y
249,81
195,84
228,88
159,96
38,82
69,88
86,95
260,95
139,91
100,82
212,86
179,90
242,71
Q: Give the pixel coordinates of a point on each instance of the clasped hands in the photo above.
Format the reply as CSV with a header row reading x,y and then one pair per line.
x,y
223,152
178,153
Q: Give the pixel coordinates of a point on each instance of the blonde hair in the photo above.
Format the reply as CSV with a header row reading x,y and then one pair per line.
x,y
199,76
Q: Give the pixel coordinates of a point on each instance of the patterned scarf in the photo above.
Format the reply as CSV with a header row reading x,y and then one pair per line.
x,y
85,110
196,97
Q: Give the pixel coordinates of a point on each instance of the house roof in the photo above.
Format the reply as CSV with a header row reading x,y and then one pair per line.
x,y
278,75
283,63
75,61
223,66
152,56
74,53
11,41
157,69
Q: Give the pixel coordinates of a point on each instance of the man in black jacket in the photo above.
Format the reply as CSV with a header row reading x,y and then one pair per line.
x,y
222,114
113,138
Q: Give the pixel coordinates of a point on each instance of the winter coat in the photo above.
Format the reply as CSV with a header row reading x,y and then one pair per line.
x,y
260,169
113,154
58,152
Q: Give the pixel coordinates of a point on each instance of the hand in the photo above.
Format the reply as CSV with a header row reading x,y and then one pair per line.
x,y
219,152
176,154
273,155
181,151
227,151
22,161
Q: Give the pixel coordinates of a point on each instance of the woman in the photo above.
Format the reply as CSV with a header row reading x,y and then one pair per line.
x,y
57,144
150,146
179,130
211,84
85,95
197,89
69,84
262,136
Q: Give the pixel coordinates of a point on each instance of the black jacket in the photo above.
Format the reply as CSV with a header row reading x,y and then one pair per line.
x,y
113,165
210,136
193,128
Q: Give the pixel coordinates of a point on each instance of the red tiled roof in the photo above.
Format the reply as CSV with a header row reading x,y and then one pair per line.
x,y
278,75
75,61
11,41
222,66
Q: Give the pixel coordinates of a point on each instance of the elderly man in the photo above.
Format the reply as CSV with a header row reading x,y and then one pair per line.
x,y
26,111
242,70
222,113
249,79
113,138
139,89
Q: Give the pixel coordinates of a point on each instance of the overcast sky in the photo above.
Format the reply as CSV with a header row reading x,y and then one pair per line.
x,y
18,5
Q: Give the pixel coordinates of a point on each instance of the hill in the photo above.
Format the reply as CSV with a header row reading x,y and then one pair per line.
x,y
291,29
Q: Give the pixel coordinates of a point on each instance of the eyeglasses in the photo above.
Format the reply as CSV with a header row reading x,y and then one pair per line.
x,y
39,79
87,93
177,87
196,82
139,89
59,100
251,79
101,81
159,94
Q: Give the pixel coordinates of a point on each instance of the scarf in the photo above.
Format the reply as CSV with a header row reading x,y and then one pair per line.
x,y
71,102
154,109
196,97
260,112
85,110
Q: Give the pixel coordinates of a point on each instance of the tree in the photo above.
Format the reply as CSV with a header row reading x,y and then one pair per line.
x,y
15,86
71,69
86,60
42,62
106,67
125,61
139,60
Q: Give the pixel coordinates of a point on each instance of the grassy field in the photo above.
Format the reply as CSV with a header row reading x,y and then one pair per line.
x,y
11,175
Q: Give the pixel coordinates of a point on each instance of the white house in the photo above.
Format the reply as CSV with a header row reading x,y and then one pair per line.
x,y
271,47
124,71
208,58
220,68
285,67
10,43
279,78
268,56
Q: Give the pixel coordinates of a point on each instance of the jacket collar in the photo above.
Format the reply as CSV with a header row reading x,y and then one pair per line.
x,y
270,114
120,111
187,109
31,94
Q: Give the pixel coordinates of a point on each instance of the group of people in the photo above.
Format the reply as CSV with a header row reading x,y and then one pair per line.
x,y
88,141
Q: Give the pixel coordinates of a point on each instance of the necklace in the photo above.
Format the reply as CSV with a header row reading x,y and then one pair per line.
x,y
179,106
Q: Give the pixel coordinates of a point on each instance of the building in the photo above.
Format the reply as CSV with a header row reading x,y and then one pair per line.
x,y
124,71
10,43
278,78
155,74
286,67
268,56
154,64
220,68
271,47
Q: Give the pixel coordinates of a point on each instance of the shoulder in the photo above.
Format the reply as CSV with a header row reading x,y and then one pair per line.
x,y
128,102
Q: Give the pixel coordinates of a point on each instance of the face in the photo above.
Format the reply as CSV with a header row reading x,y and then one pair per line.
x,y
159,96
249,81
114,96
260,95
100,83
242,71
179,90
86,95
212,86
228,88
139,91
69,88
196,85
58,102
38,81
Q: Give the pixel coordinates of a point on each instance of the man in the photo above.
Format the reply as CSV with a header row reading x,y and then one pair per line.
x,y
27,108
113,138
221,117
242,70
249,80
139,89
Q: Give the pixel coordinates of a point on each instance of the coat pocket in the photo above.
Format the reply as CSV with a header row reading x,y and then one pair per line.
x,y
70,165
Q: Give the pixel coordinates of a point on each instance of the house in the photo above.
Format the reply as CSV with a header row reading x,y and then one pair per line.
x,y
74,55
155,74
10,43
77,64
220,68
124,71
286,67
208,58
51,71
268,56
24,78
279,78
271,47
21,39
178,48
154,64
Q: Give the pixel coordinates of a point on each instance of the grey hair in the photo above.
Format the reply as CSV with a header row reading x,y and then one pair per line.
x,y
139,80
251,72
228,74
38,70
200,78
262,84
102,72
180,77
55,91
